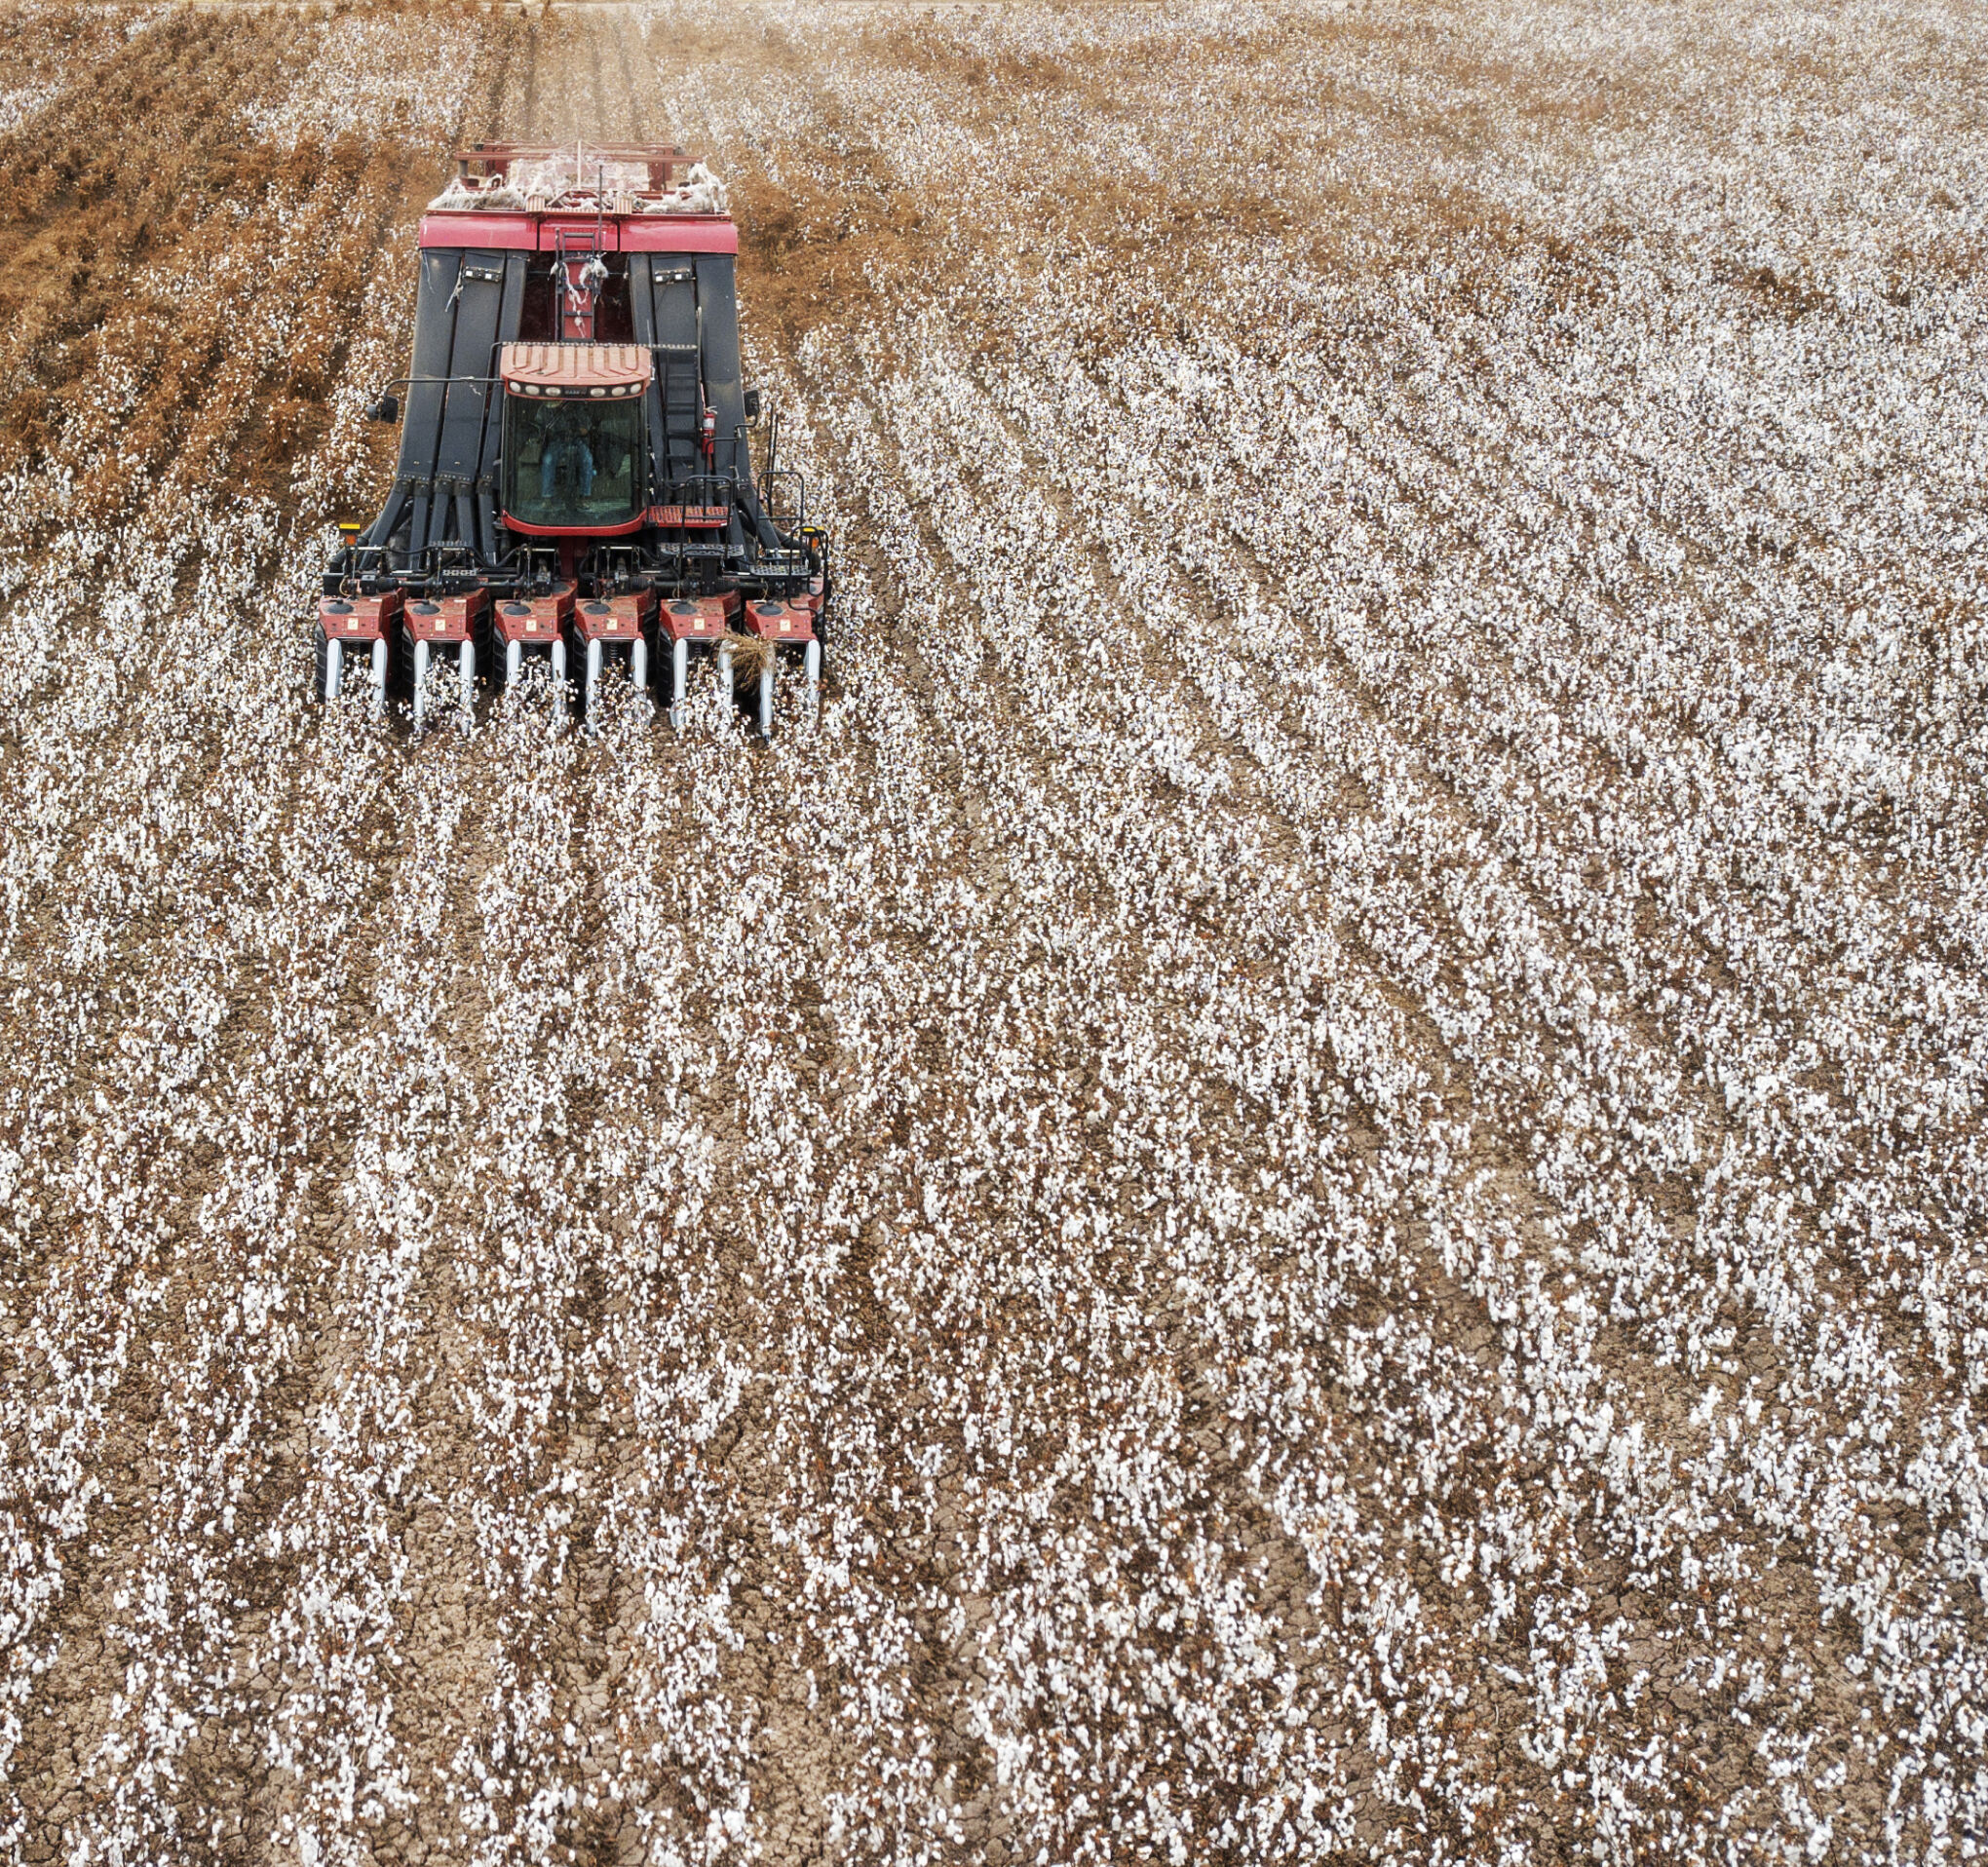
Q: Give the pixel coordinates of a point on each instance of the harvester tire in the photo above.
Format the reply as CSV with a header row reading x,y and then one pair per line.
x,y
400,664
321,650
485,638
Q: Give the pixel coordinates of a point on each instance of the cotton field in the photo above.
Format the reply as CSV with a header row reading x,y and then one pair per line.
x,y
1308,1184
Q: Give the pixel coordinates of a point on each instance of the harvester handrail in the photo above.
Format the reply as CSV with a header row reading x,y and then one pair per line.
x,y
497,159
391,381
543,151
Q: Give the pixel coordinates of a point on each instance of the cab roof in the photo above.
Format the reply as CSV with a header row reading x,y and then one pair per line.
x,y
575,372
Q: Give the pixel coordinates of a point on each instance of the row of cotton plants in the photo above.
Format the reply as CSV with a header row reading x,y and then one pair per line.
x,y
1455,731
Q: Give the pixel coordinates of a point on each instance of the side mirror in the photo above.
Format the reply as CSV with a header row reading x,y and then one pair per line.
x,y
752,404
387,408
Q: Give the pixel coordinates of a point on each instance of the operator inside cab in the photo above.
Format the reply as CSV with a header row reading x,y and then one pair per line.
x,y
574,434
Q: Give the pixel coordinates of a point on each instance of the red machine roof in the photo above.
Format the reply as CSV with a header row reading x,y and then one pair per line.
x,y
492,230
575,369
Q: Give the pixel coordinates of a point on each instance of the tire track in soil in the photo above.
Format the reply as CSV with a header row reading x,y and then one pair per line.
x,y
601,126
636,126
574,1650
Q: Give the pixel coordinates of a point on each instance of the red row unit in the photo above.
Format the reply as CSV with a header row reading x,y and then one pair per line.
x,y
777,623
357,619
614,619
491,231
697,618
540,620
448,620
535,621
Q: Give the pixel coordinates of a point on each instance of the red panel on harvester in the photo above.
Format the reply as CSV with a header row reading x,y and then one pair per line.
x,y
494,231
586,233
684,620
448,620
491,232
463,613
677,233
633,611
534,622
618,618
779,622
357,619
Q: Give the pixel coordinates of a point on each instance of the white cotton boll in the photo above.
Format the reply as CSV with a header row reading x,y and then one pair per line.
x,y
468,197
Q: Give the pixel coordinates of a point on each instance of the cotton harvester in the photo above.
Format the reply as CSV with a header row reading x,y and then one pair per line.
x,y
574,480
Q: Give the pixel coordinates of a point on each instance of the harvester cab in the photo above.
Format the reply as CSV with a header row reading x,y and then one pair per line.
x,y
575,481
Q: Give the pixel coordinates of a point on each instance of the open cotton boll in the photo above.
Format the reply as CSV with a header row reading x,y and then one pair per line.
x,y
702,193
461,197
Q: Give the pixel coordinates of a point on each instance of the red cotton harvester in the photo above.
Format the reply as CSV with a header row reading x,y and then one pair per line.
x,y
574,476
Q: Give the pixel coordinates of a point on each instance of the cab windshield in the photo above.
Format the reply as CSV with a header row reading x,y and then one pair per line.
x,y
572,465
